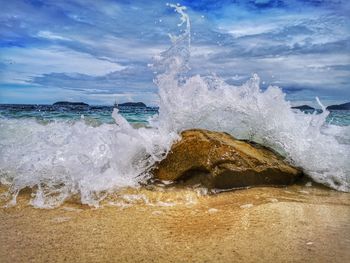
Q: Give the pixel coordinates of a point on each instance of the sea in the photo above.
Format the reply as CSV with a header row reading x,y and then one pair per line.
x,y
97,115
92,115
89,152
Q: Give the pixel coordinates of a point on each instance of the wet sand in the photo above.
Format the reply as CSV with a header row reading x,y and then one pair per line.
x,y
293,224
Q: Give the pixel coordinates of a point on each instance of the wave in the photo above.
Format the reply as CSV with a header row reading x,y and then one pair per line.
x,y
59,160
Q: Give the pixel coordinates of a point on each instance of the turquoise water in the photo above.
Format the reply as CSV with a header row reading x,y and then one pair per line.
x,y
97,115
93,115
340,118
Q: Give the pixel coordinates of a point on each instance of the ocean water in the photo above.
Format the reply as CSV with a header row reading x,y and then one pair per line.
x,y
93,152
99,114
91,115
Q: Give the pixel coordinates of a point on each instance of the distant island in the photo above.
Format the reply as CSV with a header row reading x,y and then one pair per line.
x,y
131,104
68,103
303,107
344,106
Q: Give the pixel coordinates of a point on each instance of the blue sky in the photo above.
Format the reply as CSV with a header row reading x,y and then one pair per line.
x,y
98,51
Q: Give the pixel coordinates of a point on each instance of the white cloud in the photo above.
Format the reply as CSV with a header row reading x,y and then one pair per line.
x,y
52,36
29,62
248,30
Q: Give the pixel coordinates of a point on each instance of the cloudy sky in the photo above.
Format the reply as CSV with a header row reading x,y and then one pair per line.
x,y
98,50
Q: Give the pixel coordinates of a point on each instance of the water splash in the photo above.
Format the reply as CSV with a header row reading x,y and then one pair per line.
x,y
59,160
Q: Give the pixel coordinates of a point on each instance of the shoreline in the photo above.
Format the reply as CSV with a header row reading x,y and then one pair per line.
x,y
263,224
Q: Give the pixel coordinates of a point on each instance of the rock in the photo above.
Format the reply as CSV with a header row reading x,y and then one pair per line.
x,y
217,160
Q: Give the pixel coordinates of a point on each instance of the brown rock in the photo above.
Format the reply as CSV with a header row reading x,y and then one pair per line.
x,y
217,160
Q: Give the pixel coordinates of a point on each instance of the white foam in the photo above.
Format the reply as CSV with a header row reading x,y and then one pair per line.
x,y
63,159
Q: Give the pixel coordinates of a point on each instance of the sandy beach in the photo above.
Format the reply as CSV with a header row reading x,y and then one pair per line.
x,y
292,224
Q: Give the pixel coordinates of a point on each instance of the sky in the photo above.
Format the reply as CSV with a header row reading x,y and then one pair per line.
x,y
99,51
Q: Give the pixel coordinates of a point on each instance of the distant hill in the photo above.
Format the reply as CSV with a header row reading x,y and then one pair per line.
x,y
132,104
303,107
344,106
68,103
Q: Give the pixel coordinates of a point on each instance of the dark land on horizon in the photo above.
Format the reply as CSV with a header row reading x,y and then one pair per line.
x,y
83,105
344,106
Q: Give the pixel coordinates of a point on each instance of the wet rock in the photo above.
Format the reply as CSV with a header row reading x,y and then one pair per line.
x,y
217,160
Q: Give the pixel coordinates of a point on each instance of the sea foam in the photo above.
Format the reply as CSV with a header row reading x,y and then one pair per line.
x,y
59,160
